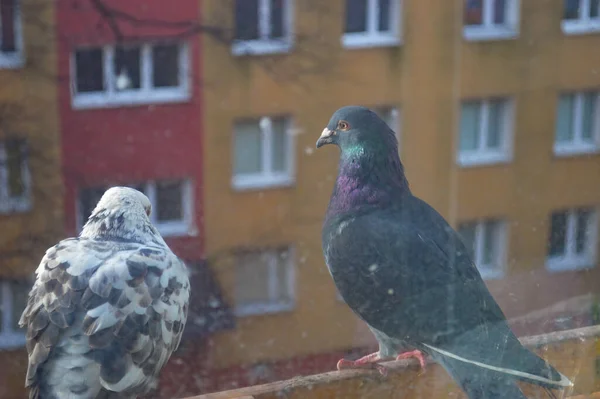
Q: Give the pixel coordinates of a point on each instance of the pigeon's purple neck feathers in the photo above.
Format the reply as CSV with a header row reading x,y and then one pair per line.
x,y
366,180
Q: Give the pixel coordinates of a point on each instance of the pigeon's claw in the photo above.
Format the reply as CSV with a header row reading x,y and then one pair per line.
x,y
365,362
416,354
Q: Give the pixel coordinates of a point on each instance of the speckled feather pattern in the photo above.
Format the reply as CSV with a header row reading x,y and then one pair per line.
x,y
107,309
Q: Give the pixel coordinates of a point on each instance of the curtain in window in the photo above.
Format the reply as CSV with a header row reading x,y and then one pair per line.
x,y
469,126
248,148
564,124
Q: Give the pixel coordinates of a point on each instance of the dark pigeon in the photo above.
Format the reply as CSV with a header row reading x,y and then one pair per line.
x,y
405,272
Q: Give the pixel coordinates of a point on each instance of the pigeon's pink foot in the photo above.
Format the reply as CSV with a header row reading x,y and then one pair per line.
x,y
416,354
365,362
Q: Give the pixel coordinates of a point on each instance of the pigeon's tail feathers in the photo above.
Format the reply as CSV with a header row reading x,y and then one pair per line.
x,y
547,377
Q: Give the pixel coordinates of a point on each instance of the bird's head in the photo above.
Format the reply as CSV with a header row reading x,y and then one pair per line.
x,y
124,198
356,129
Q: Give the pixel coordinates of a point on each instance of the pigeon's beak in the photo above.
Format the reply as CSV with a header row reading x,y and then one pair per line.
x,y
327,137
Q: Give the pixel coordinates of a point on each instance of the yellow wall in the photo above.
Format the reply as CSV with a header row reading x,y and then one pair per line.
x,y
426,77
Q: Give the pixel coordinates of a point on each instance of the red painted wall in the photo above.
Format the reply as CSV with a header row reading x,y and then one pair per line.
x,y
133,143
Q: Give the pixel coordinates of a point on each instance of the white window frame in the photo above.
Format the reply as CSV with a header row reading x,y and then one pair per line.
x,y
578,145
572,261
490,271
147,94
264,44
176,228
275,305
23,202
584,24
16,59
373,37
9,337
483,155
490,31
266,177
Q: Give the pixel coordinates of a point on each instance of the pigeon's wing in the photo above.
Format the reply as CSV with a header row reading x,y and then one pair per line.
x,y
408,286
128,302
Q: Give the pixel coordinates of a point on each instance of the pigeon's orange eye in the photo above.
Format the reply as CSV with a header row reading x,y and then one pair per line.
x,y
343,125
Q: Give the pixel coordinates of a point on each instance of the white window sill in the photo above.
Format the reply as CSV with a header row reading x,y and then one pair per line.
x,y
564,150
481,33
105,100
491,273
249,182
12,340
15,205
174,229
575,27
257,309
363,40
561,264
482,158
259,47
11,60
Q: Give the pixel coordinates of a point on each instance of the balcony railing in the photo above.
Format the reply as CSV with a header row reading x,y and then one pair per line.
x,y
573,352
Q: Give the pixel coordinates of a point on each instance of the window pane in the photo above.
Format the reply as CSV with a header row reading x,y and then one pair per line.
x,y
495,124
246,19
279,142
20,292
384,15
564,124
283,275
169,201
473,12
589,105
571,9
127,68
15,162
276,19
248,148
252,279
469,126
490,238
467,233
594,8
8,43
500,12
356,16
165,64
583,217
558,231
89,70
88,199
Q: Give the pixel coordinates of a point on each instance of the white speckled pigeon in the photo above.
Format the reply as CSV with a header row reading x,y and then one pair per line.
x,y
403,270
107,308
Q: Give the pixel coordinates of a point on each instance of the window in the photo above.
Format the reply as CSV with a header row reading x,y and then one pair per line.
x,y
264,282
391,116
130,74
490,19
485,132
581,16
172,209
262,26
13,299
572,241
577,124
15,183
487,242
263,153
371,23
10,35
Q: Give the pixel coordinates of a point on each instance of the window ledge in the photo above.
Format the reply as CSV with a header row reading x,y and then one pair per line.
x,y
250,182
577,149
11,60
12,340
263,309
491,273
481,33
563,264
15,205
361,40
574,27
482,159
174,229
105,100
261,47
